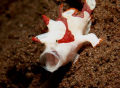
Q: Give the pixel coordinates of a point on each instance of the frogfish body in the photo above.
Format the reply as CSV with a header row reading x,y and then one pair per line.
x,y
66,36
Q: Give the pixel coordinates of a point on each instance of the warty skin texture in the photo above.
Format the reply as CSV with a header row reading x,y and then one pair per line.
x,y
66,36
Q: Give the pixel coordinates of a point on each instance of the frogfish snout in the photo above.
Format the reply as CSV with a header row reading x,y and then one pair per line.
x,y
50,60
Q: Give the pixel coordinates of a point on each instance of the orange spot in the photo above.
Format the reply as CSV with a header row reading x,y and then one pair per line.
x,y
85,8
46,19
60,12
35,39
68,37
61,6
101,39
74,14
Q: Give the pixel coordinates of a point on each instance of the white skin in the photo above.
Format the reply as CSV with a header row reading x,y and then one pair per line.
x,y
58,54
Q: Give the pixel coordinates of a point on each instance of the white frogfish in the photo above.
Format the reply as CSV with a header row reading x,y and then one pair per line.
x,y
66,36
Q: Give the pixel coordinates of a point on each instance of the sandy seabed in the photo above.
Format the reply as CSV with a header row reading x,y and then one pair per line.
x,y
19,56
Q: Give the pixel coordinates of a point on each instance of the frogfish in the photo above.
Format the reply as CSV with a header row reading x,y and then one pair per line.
x,y
66,35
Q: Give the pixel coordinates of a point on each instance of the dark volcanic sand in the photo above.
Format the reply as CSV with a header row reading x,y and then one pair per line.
x,y
19,56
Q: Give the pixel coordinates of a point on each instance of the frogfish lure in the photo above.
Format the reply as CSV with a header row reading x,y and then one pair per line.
x,y
66,36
